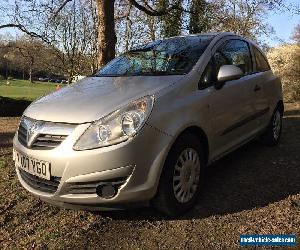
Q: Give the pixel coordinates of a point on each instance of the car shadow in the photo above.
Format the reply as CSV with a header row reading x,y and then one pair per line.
x,y
10,107
6,139
250,177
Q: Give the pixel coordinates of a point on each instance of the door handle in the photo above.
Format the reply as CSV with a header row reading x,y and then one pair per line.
x,y
257,88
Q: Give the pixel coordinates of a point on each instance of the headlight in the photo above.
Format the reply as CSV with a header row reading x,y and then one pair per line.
x,y
118,126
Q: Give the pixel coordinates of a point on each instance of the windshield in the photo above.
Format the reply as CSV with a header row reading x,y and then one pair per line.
x,y
172,56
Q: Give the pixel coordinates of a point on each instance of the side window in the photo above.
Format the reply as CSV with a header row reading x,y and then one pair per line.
x,y
208,77
232,52
261,62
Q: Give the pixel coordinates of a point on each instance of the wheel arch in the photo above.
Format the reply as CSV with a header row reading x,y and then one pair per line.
x,y
194,130
280,105
200,134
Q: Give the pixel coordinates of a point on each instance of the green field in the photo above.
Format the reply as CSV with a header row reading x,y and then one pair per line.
x,y
21,89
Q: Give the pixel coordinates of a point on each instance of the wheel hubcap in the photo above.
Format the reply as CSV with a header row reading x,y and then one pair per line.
x,y
186,175
276,125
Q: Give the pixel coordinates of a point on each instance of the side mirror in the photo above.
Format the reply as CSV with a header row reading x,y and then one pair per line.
x,y
229,73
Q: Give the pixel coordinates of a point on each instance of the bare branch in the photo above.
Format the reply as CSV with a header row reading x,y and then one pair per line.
x,y
152,12
61,7
24,30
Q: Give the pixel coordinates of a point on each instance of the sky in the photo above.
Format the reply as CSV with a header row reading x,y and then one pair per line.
x,y
283,24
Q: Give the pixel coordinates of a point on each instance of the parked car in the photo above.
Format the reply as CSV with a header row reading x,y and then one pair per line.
x,y
146,125
77,78
44,79
34,78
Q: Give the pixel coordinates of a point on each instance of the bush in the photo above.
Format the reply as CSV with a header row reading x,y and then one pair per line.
x,y
2,77
285,62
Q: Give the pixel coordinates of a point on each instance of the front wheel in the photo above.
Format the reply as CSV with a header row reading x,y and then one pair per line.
x,y
272,134
181,177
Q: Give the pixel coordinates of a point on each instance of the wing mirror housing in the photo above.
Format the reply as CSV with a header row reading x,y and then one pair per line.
x,y
228,73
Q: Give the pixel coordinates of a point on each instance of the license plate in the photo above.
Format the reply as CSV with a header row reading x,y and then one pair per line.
x,y
33,166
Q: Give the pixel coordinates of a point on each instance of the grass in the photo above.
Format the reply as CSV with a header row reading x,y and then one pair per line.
x,y
22,89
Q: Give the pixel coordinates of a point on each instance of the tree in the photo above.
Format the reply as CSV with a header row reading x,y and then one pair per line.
x,y
134,27
73,27
171,22
25,57
71,35
29,50
199,17
107,38
38,19
47,12
243,17
296,34
107,33
285,62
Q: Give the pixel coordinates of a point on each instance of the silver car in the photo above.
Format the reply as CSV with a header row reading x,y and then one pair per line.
x,y
145,126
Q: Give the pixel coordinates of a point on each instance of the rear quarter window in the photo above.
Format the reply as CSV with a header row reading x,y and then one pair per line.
x,y
261,62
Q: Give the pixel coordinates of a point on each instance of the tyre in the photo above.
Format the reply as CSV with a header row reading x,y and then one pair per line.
x,y
181,176
272,134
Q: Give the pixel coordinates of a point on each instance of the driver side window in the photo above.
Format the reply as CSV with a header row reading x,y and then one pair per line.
x,y
233,52
208,76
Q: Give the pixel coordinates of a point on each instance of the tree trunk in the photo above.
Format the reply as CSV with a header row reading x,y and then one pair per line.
x,y
30,73
106,31
151,26
30,69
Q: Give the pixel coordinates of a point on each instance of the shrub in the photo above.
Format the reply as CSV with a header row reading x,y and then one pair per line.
x,y
285,62
2,77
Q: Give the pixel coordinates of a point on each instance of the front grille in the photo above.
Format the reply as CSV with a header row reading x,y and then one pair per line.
x,y
90,187
47,186
54,136
22,135
44,141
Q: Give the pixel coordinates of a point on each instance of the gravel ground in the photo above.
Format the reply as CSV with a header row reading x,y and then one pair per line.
x,y
255,190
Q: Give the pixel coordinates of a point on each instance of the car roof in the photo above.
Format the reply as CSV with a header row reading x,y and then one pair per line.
x,y
213,34
215,37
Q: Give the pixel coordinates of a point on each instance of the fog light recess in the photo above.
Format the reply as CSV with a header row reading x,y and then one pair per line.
x,y
106,191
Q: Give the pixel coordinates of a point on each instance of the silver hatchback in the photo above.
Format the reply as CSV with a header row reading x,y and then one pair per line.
x,y
145,126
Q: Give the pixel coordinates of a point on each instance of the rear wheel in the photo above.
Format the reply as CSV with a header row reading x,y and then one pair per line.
x,y
272,134
181,176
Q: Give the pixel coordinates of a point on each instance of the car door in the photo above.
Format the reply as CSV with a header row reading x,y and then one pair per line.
x,y
262,78
231,106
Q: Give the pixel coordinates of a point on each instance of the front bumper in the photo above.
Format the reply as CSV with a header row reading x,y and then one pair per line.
x,y
137,162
